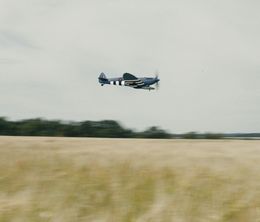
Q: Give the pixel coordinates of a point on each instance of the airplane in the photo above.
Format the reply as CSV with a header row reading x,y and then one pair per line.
x,y
131,81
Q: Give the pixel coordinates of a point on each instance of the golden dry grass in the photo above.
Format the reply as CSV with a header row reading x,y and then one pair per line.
x,y
66,179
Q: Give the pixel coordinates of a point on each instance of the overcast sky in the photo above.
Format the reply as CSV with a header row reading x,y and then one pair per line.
x,y
207,53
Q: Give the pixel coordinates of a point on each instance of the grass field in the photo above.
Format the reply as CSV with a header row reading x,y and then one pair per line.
x,y
66,179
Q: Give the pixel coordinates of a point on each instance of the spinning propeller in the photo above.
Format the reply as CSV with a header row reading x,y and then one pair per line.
x,y
157,85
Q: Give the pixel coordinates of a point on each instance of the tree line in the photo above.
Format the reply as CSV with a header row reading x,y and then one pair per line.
x,y
104,128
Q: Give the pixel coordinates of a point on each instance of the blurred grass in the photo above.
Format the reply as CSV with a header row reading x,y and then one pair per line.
x,y
43,179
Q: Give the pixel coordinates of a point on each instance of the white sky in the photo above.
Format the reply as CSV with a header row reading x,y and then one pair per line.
x,y
207,52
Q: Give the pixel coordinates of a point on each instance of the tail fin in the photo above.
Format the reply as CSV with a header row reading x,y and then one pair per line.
x,y
103,79
102,76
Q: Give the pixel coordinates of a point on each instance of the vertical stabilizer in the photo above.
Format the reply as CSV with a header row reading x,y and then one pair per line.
x,y
102,76
103,79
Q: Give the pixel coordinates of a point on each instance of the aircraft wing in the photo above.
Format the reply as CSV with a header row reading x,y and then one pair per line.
x,y
131,80
128,76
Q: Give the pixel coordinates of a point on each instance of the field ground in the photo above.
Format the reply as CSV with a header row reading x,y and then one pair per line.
x,y
125,180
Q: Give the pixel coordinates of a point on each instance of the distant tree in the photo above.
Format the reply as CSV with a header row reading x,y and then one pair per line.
x,y
110,128
191,135
5,127
35,127
155,132
213,136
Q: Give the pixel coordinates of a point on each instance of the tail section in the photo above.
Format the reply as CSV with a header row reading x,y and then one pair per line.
x,y
103,79
102,76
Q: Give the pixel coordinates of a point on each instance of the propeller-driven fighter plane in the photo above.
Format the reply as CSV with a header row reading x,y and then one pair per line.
x,y
130,81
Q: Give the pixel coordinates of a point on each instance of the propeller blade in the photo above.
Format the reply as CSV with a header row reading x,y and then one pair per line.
x,y
156,74
157,86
